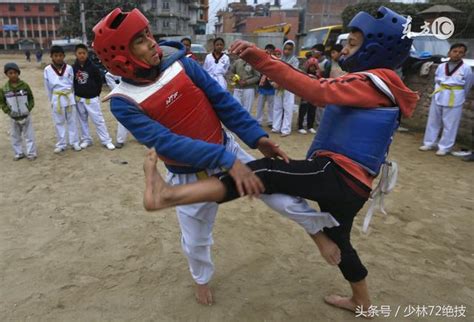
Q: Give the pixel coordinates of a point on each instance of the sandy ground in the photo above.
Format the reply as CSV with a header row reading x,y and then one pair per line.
x,y
76,244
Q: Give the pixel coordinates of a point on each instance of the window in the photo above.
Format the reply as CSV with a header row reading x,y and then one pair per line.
x,y
43,33
41,20
56,21
37,34
166,5
154,4
27,8
34,21
50,34
28,20
56,8
11,7
166,23
41,8
29,34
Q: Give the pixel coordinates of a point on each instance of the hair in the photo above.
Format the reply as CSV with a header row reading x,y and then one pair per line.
x,y
186,39
458,45
337,47
270,46
292,44
80,46
308,54
319,47
56,49
217,39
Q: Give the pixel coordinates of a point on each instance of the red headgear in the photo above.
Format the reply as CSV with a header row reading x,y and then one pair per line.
x,y
113,35
311,62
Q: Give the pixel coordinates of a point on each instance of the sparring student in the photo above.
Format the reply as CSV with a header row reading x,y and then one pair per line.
x,y
362,112
87,88
217,63
122,133
283,107
169,103
266,94
16,100
452,84
59,85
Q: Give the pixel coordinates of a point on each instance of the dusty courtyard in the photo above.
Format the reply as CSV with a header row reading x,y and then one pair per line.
x,y
76,244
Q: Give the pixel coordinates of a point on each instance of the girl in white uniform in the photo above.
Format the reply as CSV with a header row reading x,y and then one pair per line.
x,y
217,63
59,84
453,81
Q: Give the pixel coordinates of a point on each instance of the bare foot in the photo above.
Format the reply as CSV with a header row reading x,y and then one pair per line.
x,y
155,187
328,249
346,303
204,294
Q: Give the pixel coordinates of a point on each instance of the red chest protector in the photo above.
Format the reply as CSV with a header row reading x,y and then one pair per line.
x,y
177,103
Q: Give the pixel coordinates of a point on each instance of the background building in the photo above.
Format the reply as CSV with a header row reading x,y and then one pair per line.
x,y
177,17
28,23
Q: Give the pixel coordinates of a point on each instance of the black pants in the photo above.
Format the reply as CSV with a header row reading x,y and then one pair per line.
x,y
305,107
323,181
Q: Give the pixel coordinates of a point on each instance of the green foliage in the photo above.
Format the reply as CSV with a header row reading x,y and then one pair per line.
x,y
464,22
94,11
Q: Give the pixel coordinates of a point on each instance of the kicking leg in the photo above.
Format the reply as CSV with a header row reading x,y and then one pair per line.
x,y
160,195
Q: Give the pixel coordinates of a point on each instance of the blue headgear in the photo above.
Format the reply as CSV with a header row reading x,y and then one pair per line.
x,y
383,46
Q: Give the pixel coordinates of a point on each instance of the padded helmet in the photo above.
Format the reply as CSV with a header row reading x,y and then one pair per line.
x,y
383,46
113,35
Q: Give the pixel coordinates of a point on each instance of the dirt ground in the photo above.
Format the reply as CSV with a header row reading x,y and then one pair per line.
x,y
76,244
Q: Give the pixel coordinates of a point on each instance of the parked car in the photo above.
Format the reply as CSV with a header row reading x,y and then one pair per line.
x,y
198,49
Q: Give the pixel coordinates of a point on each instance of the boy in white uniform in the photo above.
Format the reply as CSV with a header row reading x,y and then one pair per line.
x,y
87,88
452,84
59,84
16,100
112,82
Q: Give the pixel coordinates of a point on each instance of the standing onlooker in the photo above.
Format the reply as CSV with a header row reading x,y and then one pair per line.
x,y
266,94
59,84
27,55
39,55
335,70
113,81
186,41
87,88
311,68
324,70
244,90
16,100
283,107
452,84
217,63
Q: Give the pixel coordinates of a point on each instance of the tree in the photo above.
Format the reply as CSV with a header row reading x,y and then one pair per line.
x,y
94,11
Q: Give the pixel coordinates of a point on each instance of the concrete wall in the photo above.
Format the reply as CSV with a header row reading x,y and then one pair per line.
x,y
425,86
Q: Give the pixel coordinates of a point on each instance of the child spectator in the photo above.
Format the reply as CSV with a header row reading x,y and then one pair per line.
x,y
217,63
87,88
59,85
311,68
266,94
17,101
122,133
452,84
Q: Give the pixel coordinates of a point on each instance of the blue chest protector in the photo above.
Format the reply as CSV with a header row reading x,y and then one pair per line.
x,y
363,135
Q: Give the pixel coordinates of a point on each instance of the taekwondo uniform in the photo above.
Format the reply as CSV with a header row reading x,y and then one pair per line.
x,y
112,81
59,85
217,68
180,114
452,84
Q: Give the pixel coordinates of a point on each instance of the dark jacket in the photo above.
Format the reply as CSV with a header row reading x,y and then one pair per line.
x,y
87,80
